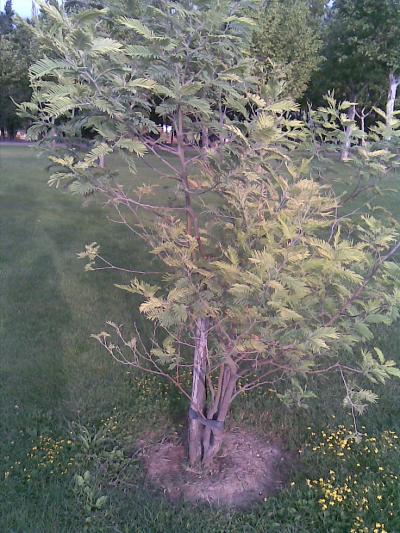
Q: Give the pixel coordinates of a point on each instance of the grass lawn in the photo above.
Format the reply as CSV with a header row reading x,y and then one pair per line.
x,y
70,417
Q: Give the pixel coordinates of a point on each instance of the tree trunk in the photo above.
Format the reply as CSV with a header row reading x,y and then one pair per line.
x,y
362,115
206,426
205,142
198,398
214,431
347,140
362,119
391,99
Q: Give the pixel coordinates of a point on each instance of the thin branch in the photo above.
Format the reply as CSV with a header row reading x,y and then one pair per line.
x,y
110,266
364,284
348,394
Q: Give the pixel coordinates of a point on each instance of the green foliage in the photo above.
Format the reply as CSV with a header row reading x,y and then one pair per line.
x,y
108,88
357,64
288,34
16,53
6,18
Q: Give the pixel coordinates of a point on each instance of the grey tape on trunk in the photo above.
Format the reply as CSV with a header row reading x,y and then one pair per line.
x,y
212,424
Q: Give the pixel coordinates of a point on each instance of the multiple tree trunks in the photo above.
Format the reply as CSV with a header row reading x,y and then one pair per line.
x,y
207,415
394,82
362,115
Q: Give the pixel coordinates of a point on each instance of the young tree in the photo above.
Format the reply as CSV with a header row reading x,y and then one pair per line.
x,y
263,283
288,34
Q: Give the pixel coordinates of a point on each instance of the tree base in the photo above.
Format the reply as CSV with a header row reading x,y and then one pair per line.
x,y
246,471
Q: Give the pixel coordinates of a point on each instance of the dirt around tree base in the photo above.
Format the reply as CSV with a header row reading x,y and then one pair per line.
x,y
246,471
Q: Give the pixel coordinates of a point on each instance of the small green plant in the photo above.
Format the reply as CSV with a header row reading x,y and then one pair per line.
x,y
87,492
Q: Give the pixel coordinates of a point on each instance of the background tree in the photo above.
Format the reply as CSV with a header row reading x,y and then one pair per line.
x,y
318,7
354,74
362,50
6,19
288,34
262,283
16,54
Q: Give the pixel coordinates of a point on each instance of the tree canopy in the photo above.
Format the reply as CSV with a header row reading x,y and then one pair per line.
x,y
288,34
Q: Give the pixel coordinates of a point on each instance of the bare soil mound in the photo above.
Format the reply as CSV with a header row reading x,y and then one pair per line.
x,y
247,470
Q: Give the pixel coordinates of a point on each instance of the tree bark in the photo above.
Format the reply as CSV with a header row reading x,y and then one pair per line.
x,y
206,425
347,142
205,143
198,397
362,118
391,99
213,434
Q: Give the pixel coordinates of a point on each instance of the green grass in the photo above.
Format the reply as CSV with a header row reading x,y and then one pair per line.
x,y
63,400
